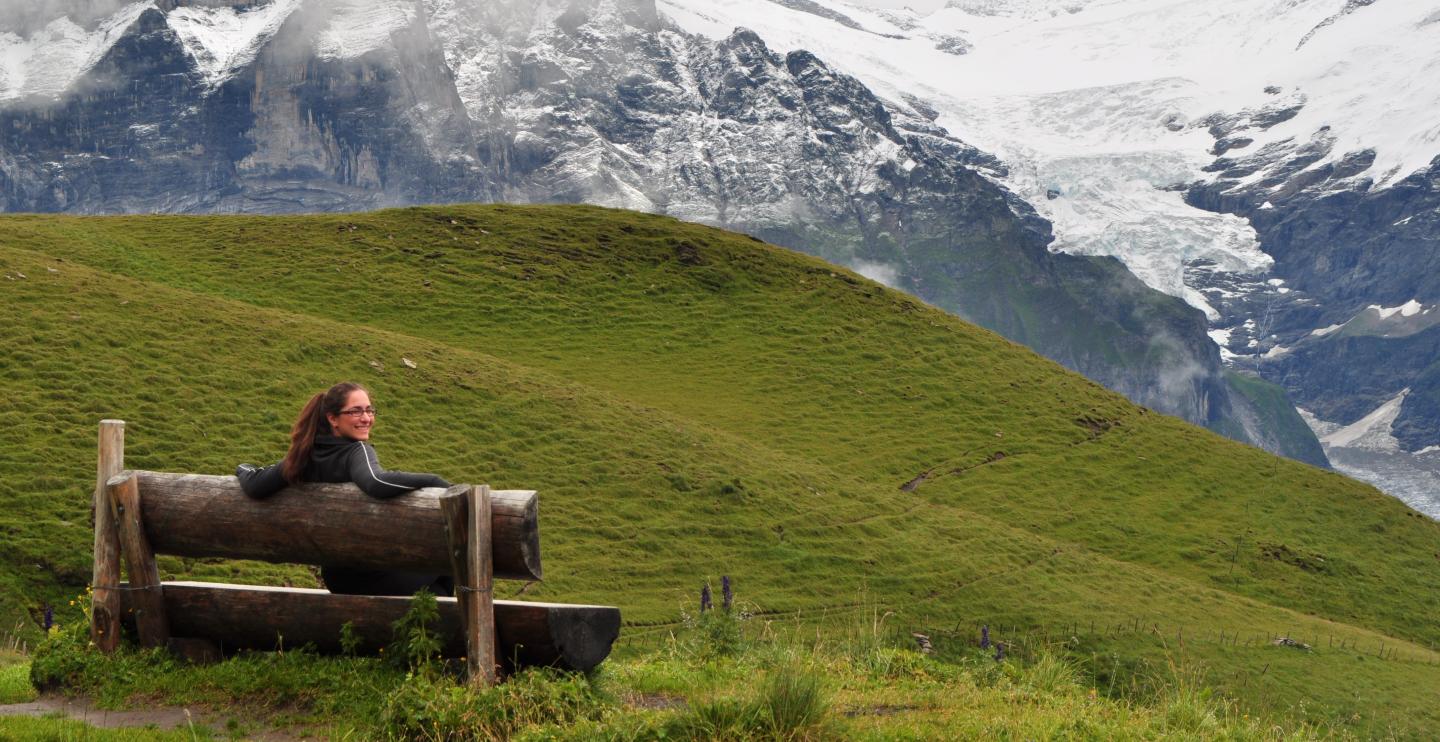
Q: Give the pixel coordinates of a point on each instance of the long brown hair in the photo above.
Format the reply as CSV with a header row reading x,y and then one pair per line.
x,y
312,422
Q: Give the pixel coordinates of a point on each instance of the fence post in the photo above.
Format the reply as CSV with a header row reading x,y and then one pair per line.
x,y
149,604
105,579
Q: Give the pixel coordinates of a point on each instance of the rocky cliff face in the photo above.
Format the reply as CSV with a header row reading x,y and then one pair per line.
x,y
1354,319
297,105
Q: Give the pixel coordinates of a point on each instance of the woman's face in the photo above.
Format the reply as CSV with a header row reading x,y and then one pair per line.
x,y
349,423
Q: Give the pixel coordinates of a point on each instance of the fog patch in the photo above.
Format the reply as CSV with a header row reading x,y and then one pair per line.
x,y
24,17
878,272
1180,378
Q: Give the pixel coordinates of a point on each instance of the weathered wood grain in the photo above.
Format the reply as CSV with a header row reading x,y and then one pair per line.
x,y
465,527
105,602
337,525
480,646
149,606
571,637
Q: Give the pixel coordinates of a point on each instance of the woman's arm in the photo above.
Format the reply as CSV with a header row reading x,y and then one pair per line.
x,y
260,483
374,481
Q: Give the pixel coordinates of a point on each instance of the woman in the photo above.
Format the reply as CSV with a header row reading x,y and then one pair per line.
x,y
329,444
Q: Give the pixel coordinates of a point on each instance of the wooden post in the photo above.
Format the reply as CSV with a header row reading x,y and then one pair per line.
x,y
149,605
467,522
455,506
105,580
482,650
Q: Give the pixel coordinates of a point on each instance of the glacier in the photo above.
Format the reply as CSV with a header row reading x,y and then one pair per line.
x,y
1097,107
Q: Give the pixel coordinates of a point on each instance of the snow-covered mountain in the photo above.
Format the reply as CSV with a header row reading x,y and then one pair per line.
x,y
1272,162
303,105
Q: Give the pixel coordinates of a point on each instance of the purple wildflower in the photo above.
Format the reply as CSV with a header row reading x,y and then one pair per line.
x,y
49,617
729,595
705,604
999,651
985,637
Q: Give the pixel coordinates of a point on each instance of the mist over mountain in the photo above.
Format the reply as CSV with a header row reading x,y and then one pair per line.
x,y
267,106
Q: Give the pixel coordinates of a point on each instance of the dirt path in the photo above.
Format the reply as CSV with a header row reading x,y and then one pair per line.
x,y
165,717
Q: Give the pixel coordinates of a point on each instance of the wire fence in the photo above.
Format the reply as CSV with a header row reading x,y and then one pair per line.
x,y
1030,638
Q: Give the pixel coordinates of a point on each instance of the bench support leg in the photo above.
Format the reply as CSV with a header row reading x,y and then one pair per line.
x,y
150,619
105,580
467,520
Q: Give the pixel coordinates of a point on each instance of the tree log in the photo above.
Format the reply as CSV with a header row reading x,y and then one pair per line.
x,y
570,637
337,525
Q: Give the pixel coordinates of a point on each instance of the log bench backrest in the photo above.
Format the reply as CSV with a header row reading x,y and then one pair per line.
x,y
194,515
466,531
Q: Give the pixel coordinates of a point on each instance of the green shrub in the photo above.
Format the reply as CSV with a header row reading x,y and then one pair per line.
x,y
1050,675
715,633
416,644
790,705
435,709
1190,710
719,719
791,702
64,658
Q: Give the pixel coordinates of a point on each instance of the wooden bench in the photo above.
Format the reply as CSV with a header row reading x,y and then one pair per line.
x,y
466,531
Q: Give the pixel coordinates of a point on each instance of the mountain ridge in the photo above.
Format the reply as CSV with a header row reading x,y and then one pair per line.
x,y
600,101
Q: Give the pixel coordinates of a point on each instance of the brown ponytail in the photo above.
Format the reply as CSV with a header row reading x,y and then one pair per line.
x,y
312,422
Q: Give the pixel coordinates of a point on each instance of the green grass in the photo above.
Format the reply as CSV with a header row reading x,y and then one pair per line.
x,y
15,680
691,403
56,729
718,677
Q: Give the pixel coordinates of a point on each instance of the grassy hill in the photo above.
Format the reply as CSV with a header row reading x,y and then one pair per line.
x,y
693,403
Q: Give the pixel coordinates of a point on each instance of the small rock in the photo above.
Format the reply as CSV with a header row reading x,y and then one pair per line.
x,y
52,270
923,642
408,363
378,366
18,274
1286,641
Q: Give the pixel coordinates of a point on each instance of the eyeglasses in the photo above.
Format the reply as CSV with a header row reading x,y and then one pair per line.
x,y
358,411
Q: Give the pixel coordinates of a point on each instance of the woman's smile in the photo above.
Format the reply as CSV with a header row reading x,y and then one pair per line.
x,y
356,417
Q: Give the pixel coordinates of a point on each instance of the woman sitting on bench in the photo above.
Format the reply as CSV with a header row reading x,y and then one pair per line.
x,y
329,443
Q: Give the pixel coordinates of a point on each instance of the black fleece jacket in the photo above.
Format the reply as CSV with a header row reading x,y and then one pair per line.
x,y
337,459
